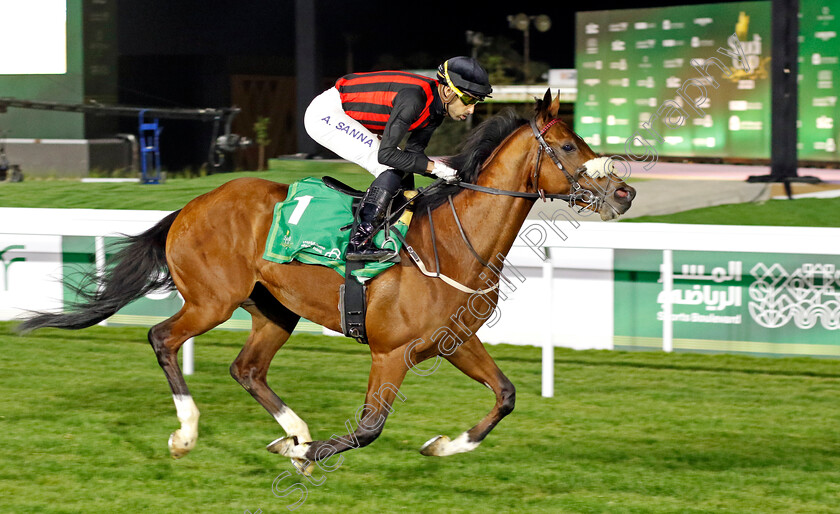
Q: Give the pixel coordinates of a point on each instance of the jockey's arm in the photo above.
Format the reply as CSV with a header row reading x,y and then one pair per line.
x,y
406,110
417,143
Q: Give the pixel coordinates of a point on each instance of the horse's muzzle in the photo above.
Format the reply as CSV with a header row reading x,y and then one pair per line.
x,y
624,194
617,202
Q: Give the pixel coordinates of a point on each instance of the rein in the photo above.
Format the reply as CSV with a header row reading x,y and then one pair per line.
x,y
577,194
416,258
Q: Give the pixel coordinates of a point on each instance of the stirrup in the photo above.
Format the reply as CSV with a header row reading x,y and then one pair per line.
x,y
367,251
371,253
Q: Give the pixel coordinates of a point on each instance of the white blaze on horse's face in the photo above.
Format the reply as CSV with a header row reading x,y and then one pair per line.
x,y
599,167
614,196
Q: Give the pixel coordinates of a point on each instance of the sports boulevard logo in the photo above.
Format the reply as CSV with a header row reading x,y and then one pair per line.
x,y
807,297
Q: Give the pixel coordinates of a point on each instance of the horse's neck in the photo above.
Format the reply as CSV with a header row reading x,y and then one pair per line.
x,y
491,222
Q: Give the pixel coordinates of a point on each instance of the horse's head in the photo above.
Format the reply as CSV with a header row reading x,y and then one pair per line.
x,y
576,169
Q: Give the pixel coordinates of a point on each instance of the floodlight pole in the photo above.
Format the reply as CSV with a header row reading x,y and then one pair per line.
x,y
307,68
784,97
526,52
523,22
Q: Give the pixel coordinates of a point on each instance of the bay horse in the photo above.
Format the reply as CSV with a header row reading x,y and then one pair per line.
x,y
211,251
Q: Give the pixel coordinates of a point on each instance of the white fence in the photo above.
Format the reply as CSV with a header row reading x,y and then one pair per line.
x,y
562,274
33,237
573,268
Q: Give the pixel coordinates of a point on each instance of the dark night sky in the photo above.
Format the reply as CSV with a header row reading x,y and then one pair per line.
x,y
266,28
182,53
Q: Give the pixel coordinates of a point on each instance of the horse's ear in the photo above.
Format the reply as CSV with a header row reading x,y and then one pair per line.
x,y
545,106
547,97
555,104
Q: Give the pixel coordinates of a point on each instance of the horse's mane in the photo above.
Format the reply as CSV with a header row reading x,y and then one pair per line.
x,y
477,147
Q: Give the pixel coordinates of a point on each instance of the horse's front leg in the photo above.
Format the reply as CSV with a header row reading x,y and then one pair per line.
x,y
386,375
472,358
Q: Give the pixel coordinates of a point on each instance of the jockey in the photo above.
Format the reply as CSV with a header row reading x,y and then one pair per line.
x,y
365,118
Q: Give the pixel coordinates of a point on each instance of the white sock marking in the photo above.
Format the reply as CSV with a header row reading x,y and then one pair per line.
x,y
187,414
460,444
293,425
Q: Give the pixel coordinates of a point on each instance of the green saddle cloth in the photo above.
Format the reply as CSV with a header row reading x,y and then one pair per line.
x,y
306,227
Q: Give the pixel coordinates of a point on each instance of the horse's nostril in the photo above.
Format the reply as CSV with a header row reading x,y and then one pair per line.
x,y
622,193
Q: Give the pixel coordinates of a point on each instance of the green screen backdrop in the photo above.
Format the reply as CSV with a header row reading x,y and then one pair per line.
x,y
633,63
819,80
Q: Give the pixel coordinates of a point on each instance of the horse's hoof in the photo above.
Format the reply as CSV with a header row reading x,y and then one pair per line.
x,y
434,446
179,445
287,447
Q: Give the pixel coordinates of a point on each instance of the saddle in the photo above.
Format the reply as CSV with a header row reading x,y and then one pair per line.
x,y
341,187
398,204
311,226
352,300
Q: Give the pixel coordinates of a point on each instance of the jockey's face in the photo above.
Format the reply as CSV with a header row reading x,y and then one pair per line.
x,y
455,107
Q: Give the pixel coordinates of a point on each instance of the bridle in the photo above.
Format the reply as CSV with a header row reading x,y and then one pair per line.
x,y
588,196
577,194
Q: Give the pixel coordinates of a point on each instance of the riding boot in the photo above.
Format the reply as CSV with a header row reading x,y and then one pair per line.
x,y
371,214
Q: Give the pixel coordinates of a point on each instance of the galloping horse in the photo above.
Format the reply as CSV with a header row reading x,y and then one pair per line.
x,y
211,252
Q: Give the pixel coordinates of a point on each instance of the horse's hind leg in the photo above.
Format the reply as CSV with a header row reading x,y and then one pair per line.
x,y
251,367
166,339
472,358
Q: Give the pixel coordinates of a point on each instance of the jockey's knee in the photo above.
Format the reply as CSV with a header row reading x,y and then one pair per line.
x,y
389,180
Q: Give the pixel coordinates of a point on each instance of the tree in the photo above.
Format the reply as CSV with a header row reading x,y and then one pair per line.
x,y
262,139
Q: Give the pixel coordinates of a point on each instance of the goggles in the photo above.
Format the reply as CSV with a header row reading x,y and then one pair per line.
x,y
467,99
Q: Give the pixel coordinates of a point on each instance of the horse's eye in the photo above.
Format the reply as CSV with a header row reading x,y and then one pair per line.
x,y
568,148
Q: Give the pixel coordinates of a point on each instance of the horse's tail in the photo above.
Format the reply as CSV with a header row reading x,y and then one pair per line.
x,y
139,267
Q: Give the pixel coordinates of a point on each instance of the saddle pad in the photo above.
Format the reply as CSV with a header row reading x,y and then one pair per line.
x,y
307,228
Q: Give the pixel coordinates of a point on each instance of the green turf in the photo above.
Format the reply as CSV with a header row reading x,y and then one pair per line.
x,y
802,212
175,193
171,195
85,416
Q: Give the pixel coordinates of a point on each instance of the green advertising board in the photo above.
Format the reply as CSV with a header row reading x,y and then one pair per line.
x,y
769,304
819,80
635,63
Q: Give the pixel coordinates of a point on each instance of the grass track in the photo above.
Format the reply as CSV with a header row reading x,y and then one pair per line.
x,y
175,193
171,195
802,212
84,418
